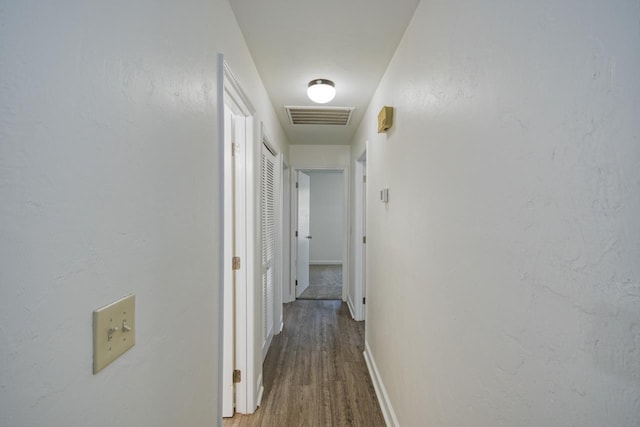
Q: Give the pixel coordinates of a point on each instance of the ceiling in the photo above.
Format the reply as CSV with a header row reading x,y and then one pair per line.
x,y
348,41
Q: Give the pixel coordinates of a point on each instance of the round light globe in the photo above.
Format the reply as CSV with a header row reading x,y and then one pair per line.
x,y
321,91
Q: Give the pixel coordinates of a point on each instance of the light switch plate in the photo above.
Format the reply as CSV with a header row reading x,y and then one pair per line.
x,y
384,195
114,331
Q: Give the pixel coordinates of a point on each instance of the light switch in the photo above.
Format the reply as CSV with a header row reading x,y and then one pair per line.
x,y
384,195
114,331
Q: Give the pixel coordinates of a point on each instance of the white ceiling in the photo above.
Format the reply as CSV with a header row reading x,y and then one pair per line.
x,y
348,41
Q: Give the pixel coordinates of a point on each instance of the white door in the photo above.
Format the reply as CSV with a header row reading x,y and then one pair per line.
x,y
304,211
232,131
228,355
268,216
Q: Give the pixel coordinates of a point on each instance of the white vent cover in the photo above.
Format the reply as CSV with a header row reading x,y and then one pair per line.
x,y
338,116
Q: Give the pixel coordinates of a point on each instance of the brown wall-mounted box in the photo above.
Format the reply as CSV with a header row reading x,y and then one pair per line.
x,y
385,119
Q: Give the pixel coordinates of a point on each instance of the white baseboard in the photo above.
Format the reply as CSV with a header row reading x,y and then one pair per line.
x,y
260,391
325,262
352,310
381,392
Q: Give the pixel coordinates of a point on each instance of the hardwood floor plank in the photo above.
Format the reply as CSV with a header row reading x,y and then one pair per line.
x,y
315,374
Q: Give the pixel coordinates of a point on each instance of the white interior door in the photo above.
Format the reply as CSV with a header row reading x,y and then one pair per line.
x,y
268,214
228,354
234,278
303,237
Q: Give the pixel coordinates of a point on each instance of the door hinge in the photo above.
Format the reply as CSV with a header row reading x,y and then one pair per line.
x,y
296,233
296,185
235,263
233,148
364,300
364,239
237,376
296,283
364,179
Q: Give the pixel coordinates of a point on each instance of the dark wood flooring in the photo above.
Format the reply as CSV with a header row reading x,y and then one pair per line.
x,y
315,374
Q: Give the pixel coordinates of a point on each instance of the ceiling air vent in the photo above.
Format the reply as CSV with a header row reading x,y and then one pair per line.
x,y
339,116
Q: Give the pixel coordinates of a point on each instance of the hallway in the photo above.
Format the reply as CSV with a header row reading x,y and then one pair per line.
x,y
489,233
315,373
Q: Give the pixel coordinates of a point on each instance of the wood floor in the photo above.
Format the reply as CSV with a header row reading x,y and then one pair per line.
x,y
315,374
325,282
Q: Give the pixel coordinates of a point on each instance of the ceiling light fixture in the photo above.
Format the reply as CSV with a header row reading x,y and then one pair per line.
x,y
321,91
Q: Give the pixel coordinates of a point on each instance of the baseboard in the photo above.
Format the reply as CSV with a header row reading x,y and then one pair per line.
x,y
385,404
325,262
260,391
352,309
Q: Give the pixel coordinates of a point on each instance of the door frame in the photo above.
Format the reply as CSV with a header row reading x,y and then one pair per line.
x,y
303,186
358,307
294,225
289,292
229,91
285,221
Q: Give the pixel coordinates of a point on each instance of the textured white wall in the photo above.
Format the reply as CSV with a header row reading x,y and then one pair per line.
x,y
319,156
504,274
327,210
109,185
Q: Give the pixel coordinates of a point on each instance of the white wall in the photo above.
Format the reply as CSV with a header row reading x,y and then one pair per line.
x,y
511,236
319,156
109,185
327,222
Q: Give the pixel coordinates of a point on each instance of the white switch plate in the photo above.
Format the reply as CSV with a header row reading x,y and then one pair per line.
x,y
114,331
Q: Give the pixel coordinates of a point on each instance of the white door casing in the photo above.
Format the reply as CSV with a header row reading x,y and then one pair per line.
x,y
285,242
285,213
303,236
363,267
357,304
237,331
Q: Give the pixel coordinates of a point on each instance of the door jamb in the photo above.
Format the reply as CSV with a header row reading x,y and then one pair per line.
x,y
357,307
285,248
246,390
345,220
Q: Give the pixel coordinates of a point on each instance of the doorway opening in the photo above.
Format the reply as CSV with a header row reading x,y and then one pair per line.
x,y
320,232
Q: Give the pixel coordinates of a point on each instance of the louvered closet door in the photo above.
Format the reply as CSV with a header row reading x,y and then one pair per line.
x,y
270,178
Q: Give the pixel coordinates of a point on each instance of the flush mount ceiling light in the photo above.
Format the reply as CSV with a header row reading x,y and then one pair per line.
x,y
321,91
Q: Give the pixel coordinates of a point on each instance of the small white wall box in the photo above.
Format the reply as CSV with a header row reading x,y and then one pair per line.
x,y
385,119
384,195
